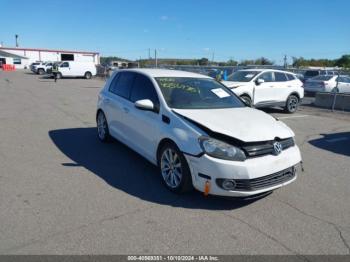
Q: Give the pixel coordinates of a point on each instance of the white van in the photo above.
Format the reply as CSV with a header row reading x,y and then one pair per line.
x,y
76,69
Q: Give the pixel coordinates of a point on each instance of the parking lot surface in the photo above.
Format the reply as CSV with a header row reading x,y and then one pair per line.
x,y
64,192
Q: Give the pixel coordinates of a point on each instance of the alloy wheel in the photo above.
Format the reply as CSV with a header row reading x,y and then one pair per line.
x,y
101,126
292,104
171,168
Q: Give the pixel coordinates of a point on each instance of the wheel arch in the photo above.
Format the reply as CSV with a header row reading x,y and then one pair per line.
x,y
294,93
246,94
98,111
162,143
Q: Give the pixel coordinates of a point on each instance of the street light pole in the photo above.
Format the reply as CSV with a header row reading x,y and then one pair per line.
x,y
155,57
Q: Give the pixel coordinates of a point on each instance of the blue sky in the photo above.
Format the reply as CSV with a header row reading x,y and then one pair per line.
x,y
182,28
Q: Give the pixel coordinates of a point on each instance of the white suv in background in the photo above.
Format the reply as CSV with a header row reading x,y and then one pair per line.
x,y
42,68
197,132
267,88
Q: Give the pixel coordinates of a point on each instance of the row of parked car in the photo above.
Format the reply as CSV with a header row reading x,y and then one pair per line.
x,y
65,69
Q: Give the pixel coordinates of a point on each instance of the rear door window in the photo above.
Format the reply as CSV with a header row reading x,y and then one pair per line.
x,y
122,84
268,77
280,77
290,77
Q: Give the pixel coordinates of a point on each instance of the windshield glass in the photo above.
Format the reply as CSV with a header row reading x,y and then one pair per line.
x,y
196,93
322,78
242,76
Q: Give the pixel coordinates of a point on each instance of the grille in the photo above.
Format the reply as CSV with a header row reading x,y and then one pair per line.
x,y
266,148
265,181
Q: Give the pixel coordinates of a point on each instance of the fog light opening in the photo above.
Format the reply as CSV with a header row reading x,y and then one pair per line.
x,y
228,184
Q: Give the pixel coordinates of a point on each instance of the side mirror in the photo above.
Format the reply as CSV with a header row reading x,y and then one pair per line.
x,y
144,104
259,81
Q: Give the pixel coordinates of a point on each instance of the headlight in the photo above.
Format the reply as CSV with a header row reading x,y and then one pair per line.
x,y
219,149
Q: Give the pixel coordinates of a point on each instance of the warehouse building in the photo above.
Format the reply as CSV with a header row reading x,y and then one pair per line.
x,y
23,57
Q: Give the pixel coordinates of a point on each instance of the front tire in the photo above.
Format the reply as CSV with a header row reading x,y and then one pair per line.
x,y
246,99
88,75
58,75
292,104
41,71
174,169
102,128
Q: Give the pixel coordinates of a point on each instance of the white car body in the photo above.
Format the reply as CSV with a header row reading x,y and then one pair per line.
x,y
76,69
34,66
42,67
145,131
268,94
328,83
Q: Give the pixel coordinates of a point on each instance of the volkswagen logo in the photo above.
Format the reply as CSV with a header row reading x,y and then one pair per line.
x,y
277,148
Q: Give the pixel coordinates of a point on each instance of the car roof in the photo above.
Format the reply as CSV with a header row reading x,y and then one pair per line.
x,y
165,73
264,69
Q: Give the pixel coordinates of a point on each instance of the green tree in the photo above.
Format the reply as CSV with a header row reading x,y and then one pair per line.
x,y
344,61
231,62
203,61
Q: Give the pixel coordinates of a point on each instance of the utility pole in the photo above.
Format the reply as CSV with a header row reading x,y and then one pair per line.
x,y
16,37
285,61
149,53
155,57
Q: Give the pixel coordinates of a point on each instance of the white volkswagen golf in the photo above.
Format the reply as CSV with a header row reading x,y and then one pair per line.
x,y
198,132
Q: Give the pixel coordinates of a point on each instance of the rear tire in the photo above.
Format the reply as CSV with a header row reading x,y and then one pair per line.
x,y
174,169
102,128
292,104
41,71
88,75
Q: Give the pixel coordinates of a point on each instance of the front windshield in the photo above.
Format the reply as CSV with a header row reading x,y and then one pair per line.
x,y
242,76
196,93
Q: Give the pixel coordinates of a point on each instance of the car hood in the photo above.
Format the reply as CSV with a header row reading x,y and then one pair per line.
x,y
231,84
246,124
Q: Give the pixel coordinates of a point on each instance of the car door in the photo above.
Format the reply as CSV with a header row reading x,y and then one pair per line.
x,y
262,92
282,87
141,125
116,100
344,84
64,69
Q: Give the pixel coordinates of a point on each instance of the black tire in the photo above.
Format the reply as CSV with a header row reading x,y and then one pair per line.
x,y
247,99
185,184
88,75
292,104
102,128
58,75
41,71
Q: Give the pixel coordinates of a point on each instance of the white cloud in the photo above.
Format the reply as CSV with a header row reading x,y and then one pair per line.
x,y
164,17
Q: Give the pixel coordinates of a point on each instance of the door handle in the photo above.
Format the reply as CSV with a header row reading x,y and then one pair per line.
x,y
126,110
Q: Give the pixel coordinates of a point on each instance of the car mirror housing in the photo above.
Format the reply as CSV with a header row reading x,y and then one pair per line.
x,y
259,81
145,104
